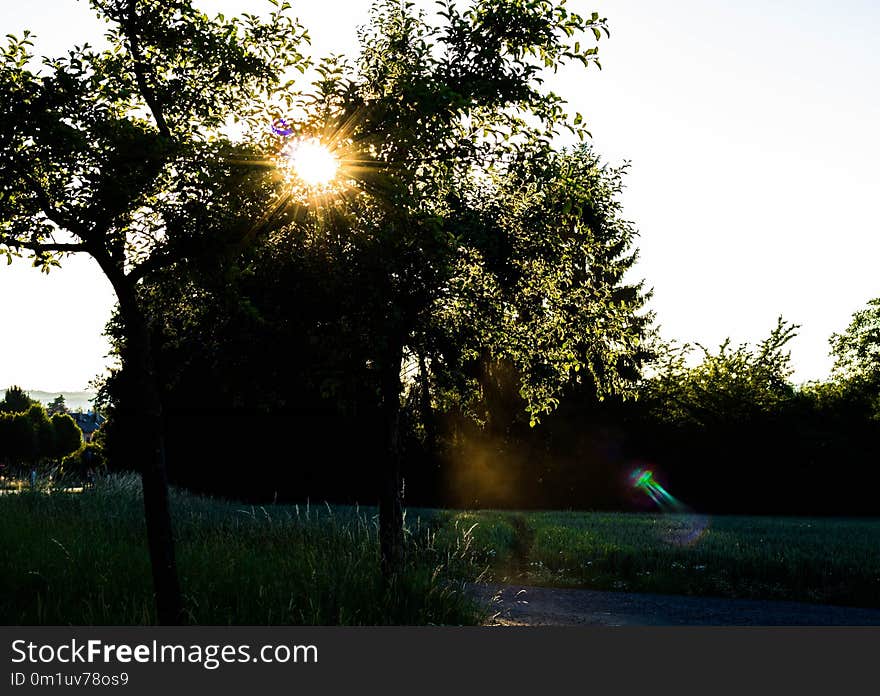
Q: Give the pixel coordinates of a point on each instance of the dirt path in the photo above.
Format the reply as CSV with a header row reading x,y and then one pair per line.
x,y
521,605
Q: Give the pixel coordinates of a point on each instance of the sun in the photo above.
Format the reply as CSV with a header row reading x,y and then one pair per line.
x,y
311,161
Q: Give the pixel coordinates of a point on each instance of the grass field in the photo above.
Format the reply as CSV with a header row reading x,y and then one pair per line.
x,y
825,560
81,559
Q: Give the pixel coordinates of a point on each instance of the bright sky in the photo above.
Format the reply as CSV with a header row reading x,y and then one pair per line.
x,y
752,129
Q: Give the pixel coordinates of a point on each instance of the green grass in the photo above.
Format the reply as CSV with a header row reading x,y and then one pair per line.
x,y
82,559
825,560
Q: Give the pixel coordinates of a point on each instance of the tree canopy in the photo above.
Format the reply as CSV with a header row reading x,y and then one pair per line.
x,y
856,351
458,208
455,205
31,436
15,400
733,384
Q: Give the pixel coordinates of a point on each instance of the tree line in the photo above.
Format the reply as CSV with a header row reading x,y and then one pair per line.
x,y
30,436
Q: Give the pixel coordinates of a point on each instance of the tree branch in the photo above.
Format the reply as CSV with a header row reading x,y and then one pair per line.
x,y
154,263
46,206
42,247
130,29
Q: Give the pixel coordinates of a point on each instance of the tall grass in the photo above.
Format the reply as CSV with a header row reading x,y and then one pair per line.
x,y
82,559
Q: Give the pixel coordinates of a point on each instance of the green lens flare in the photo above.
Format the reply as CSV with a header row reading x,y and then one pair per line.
x,y
644,481
682,526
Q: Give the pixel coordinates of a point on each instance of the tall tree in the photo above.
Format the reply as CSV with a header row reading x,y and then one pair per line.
x,y
455,231
57,406
120,154
462,211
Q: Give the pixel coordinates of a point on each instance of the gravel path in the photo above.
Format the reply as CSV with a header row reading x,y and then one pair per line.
x,y
521,605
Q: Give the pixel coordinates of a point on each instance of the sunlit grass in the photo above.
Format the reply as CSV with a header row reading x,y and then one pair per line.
x,y
81,559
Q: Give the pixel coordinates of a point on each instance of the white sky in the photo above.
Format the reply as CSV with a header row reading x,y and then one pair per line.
x,y
752,128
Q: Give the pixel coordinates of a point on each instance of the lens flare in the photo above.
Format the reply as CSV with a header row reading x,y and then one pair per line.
x,y
282,127
680,525
644,480
310,161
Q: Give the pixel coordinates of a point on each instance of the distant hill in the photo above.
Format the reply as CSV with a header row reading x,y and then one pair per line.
x,y
74,400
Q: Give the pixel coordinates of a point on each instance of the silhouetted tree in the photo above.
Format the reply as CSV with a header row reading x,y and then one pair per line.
x,y
68,436
119,154
465,215
15,400
57,405
856,354
463,234
32,437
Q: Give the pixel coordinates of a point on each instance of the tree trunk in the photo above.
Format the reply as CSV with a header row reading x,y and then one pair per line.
x,y
144,409
390,494
426,408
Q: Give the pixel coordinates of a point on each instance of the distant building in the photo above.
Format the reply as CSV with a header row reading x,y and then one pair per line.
x,y
88,422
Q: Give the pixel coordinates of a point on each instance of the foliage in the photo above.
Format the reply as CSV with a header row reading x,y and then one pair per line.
x,y
461,235
57,405
84,463
15,400
68,437
733,434
32,437
856,351
467,214
855,379
541,281
730,385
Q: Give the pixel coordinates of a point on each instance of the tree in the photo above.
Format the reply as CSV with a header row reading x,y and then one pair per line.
x,y
68,436
57,405
43,433
732,385
547,293
17,441
120,154
856,351
460,233
32,437
448,134
16,400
